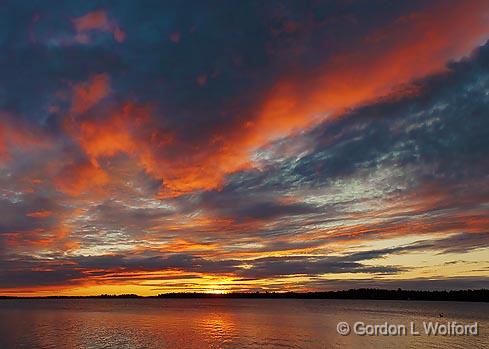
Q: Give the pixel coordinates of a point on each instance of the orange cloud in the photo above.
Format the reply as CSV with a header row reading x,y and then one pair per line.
x,y
40,214
87,94
92,20
76,179
96,20
3,145
14,134
129,129
126,129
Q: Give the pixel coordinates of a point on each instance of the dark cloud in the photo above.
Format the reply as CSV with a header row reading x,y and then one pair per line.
x,y
62,270
309,266
25,271
244,206
114,214
27,212
457,243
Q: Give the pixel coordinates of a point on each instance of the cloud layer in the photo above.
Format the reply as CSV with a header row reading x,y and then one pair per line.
x,y
245,146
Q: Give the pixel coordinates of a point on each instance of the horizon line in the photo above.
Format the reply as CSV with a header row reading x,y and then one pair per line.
x,y
481,294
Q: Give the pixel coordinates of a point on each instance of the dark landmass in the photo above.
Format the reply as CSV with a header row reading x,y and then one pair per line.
x,y
481,295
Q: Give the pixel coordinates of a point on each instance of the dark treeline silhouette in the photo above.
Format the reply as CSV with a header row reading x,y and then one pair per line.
x,y
481,295
75,297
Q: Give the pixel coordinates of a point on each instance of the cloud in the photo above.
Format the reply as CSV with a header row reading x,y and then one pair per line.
x,y
17,136
310,266
241,142
96,21
367,72
113,268
340,82
86,95
78,178
23,215
457,243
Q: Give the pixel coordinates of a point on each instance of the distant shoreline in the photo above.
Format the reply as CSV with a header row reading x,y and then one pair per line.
x,y
480,295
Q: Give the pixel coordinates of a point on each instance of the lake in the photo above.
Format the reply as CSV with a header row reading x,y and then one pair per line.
x,y
231,323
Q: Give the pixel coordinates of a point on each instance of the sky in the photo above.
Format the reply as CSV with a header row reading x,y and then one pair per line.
x,y
216,146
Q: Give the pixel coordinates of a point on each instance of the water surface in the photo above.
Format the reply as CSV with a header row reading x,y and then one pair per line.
x,y
227,323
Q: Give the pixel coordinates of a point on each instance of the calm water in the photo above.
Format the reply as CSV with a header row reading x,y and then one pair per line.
x,y
227,323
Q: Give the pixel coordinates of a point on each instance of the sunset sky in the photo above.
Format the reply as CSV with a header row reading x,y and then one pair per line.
x,y
161,146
